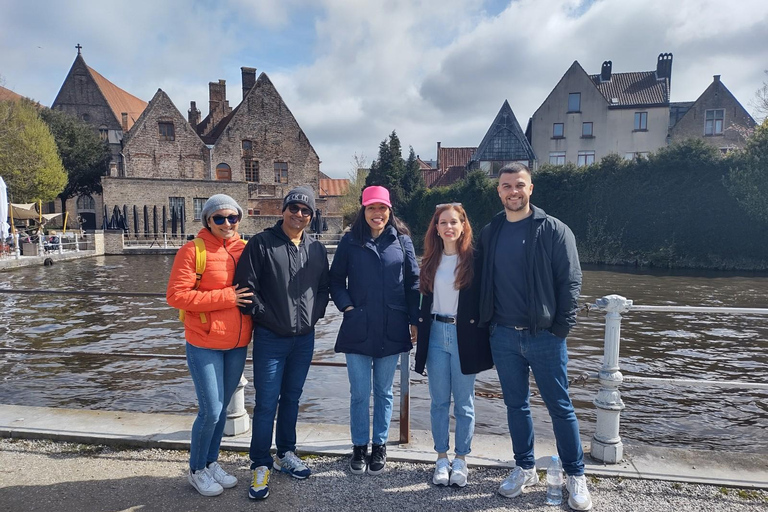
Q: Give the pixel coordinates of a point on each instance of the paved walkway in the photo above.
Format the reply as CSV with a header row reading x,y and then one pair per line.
x,y
172,431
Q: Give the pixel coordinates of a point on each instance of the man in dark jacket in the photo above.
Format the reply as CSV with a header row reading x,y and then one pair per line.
x,y
530,284
287,272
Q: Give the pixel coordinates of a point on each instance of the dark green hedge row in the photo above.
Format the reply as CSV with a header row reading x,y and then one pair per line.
x,y
673,209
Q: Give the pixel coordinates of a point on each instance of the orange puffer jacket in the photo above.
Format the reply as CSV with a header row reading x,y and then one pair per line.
x,y
224,327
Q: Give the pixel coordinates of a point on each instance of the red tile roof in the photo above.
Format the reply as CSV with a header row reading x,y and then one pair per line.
x,y
451,157
333,187
9,95
119,100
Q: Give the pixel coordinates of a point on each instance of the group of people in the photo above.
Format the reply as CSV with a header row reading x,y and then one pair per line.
x,y
507,301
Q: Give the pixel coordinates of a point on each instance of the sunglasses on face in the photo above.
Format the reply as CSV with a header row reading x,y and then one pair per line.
x,y
294,208
219,219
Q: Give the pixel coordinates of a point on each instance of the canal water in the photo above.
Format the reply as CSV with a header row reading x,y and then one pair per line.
x,y
687,345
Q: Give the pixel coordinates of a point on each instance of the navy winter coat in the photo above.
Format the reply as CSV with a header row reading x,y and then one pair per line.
x,y
382,284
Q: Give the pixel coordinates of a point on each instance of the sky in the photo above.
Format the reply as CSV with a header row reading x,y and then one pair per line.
x,y
352,71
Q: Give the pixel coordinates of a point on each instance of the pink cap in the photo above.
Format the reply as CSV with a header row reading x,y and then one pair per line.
x,y
376,194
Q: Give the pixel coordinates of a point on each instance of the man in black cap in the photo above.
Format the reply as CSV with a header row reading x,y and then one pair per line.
x,y
287,271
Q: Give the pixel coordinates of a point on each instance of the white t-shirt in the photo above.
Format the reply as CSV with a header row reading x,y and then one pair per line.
x,y
446,297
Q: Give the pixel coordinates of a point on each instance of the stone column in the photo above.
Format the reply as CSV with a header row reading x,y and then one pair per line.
x,y
238,421
606,443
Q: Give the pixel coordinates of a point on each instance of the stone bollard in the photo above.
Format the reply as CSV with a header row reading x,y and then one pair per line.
x,y
60,248
77,244
16,251
606,443
238,421
165,241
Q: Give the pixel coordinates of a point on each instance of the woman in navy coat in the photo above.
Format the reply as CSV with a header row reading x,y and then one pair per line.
x,y
374,280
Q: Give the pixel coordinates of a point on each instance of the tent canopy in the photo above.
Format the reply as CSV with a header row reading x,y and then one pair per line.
x,y
27,212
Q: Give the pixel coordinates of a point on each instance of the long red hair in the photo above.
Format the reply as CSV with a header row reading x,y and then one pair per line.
x,y
433,251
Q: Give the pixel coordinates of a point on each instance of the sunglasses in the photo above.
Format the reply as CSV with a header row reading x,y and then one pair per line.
x,y
219,219
446,204
294,208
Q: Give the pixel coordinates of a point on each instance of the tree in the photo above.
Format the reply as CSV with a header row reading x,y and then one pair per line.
x,y
747,180
412,180
84,155
760,102
29,161
388,170
350,202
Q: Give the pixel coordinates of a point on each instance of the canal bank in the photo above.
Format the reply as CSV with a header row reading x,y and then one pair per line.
x,y
172,431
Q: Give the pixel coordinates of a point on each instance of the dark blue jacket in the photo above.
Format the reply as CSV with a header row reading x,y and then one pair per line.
x,y
553,270
382,284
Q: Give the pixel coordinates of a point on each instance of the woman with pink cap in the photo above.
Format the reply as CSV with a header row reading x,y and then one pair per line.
x,y
374,281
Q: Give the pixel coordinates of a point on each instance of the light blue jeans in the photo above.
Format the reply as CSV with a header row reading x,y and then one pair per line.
x,y
360,369
515,353
445,378
216,374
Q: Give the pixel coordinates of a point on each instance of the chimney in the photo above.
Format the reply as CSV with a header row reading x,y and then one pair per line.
x,y
716,78
193,115
605,72
124,121
664,67
437,159
249,79
217,95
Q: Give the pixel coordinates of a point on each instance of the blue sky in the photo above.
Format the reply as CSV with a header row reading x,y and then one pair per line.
x,y
351,71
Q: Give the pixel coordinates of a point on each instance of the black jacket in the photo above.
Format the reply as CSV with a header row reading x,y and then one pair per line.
x,y
554,273
290,283
380,280
473,340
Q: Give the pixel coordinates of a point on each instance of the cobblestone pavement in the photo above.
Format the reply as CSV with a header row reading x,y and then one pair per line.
x,y
67,477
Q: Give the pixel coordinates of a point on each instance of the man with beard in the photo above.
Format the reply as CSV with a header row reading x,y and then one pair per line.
x,y
530,285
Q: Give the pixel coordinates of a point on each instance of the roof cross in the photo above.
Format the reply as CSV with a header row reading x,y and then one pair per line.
x,y
79,47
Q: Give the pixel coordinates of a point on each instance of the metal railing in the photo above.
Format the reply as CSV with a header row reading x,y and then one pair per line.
x,y
60,244
237,416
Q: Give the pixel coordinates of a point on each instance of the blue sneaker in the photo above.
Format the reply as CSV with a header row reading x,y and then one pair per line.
x,y
291,464
260,486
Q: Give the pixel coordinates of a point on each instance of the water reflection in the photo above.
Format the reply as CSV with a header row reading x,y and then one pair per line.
x,y
697,346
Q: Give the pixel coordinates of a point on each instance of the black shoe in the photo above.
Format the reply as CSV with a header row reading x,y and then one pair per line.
x,y
359,459
378,459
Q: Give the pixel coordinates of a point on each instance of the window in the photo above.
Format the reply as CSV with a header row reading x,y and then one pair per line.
x,y
557,158
641,121
251,170
252,212
574,102
166,131
247,147
585,158
103,132
714,122
586,130
629,156
197,204
558,131
86,203
223,172
177,204
281,172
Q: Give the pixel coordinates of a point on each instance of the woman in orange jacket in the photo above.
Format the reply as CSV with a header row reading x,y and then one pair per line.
x,y
217,334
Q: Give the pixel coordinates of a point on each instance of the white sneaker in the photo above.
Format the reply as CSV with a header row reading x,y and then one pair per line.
x,y
517,480
578,494
204,483
442,470
459,473
226,480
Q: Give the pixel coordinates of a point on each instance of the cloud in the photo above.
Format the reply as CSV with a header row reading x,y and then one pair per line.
x,y
351,71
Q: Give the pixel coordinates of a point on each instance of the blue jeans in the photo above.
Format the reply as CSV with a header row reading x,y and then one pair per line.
x,y
514,352
359,369
445,378
280,367
216,374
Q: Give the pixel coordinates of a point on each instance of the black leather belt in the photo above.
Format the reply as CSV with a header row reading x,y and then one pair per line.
x,y
445,319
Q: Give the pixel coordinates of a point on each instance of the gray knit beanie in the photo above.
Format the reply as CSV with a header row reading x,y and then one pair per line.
x,y
303,195
219,202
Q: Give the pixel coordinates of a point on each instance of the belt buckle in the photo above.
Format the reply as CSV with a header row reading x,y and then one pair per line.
x,y
518,328
451,319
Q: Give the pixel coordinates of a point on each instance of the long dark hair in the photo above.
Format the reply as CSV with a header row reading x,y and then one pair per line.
x,y
361,230
433,252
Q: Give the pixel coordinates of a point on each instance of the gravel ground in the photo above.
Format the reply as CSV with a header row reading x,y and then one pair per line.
x,y
66,477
